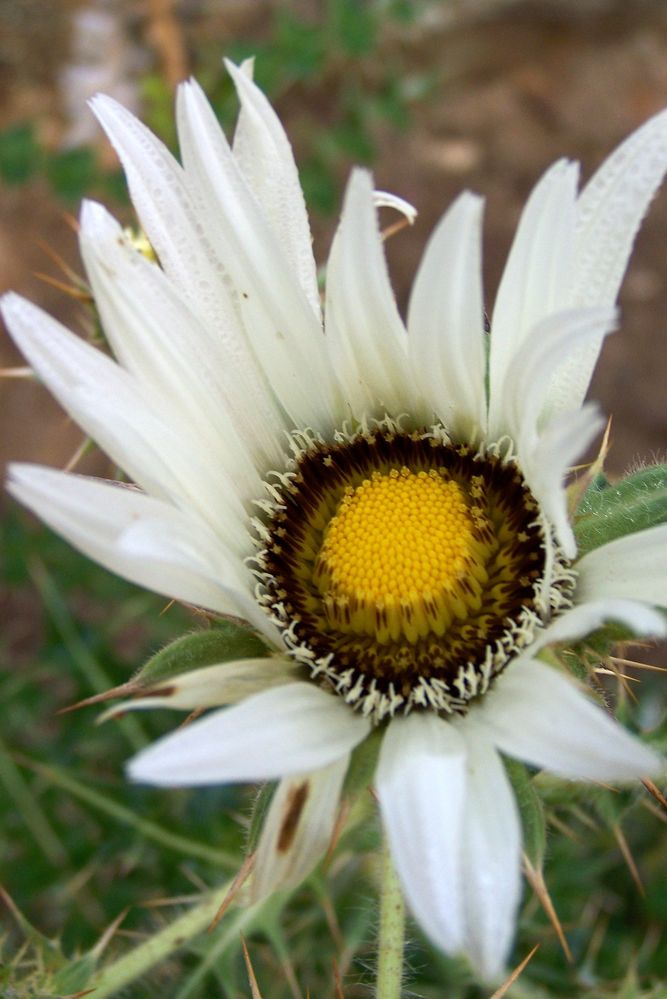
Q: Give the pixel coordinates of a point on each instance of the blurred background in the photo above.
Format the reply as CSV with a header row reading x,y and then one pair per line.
x,y
435,96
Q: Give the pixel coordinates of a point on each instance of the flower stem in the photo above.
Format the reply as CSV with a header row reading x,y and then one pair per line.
x,y
392,932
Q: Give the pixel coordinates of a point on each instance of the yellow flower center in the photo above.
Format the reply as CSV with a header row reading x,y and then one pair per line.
x,y
404,571
397,534
398,555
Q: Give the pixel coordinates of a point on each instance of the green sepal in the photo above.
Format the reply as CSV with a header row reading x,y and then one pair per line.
x,y
260,808
363,763
531,809
226,642
607,512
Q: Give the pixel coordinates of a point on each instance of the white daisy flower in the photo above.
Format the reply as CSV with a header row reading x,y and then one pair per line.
x,y
383,502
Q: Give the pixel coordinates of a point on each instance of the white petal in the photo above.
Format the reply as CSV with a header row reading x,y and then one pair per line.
x,y
187,562
157,336
587,617
284,332
612,207
446,321
361,310
634,566
298,828
421,786
170,220
491,859
562,441
524,404
212,686
280,732
384,199
609,212
264,156
131,426
537,276
539,715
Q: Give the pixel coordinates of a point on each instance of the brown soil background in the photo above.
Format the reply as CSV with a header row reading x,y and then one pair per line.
x,y
519,84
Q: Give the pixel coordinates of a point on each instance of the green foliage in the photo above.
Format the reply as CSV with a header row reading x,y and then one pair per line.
x,y
19,154
353,85
70,173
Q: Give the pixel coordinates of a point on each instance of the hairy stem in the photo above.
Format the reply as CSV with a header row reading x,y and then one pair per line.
x,y
392,932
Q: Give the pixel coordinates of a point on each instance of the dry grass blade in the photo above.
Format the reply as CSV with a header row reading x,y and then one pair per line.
x,y
236,885
499,993
536,879
254,987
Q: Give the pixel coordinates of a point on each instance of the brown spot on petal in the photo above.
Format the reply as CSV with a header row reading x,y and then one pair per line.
x,y
295,805
167,691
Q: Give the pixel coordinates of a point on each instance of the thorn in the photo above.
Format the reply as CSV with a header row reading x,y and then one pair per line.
x,y
655,810
563,828
68,271
167,607
254,987
536,879
68,289
619,836
72,222
499,993
614,672
78,455
236,885
395,228
579,487
623,679
193,716
636,665
107,935
124,689
655,792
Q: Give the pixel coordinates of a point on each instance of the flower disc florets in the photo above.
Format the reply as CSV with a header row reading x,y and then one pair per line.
x,y
405,570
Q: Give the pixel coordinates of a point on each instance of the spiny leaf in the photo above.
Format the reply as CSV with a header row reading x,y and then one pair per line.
x,y
610,511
